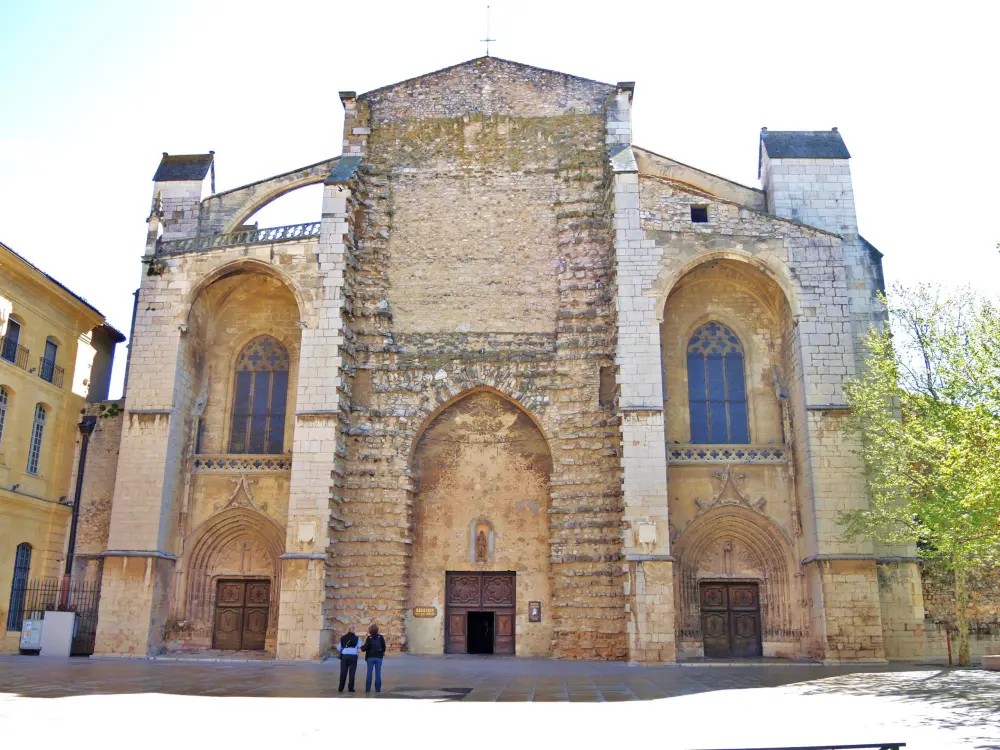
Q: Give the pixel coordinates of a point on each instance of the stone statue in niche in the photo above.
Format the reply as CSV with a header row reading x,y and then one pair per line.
x,y
482,549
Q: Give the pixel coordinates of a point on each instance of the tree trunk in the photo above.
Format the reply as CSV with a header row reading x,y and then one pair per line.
x,y
962,616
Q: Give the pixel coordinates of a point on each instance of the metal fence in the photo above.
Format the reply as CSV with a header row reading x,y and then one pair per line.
x,y
82,598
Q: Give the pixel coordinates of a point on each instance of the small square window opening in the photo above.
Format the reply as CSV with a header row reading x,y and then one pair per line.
x,y
699,214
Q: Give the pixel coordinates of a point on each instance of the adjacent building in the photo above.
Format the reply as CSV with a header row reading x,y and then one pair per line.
x,y
57,353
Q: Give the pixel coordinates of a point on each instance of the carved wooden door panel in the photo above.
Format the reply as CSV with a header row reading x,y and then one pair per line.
x,y
463,593
499,596
715,620
241,614
744,619
479,592
255,615
730,620
229,615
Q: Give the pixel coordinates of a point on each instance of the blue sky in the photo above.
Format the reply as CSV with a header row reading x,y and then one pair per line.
x,y
92,93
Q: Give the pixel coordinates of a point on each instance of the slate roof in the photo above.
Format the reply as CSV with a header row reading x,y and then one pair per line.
x,y
183,167
802,144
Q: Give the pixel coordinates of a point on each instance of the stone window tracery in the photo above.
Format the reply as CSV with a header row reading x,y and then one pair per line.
x,y
260,396
717,386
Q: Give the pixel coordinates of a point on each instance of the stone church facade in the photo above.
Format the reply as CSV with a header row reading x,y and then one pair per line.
x,y
520,387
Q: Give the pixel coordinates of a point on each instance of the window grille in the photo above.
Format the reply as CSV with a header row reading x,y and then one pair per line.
x,y
717,387
18,587
259,397
35,449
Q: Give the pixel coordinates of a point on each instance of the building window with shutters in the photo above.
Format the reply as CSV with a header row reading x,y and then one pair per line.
x,y
19,587
260,394
4,399
717,386
37,430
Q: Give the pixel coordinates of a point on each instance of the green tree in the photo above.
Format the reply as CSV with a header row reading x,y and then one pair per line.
x,y
926,409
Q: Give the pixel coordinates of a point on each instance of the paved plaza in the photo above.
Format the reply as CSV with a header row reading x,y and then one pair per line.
x,y
689,706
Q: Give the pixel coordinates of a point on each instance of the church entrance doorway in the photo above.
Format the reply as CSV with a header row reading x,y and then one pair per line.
x,y
241,609
479,613
730,620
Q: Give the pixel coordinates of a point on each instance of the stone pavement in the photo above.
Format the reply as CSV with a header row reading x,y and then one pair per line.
x,y
165,703
468,678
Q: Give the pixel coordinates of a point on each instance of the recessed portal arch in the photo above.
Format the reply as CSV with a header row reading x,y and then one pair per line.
x,y
736,544
480,462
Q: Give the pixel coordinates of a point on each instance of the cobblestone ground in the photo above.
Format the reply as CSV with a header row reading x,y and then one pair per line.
x,y
111,703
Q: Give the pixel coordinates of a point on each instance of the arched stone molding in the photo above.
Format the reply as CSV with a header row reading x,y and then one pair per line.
x,y
307,313
453,388
480,463
736,543
237,542
771,267
225,212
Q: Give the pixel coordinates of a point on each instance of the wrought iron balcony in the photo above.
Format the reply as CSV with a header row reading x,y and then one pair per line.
x,y
50,372
242,463
728,454
242,237
16,355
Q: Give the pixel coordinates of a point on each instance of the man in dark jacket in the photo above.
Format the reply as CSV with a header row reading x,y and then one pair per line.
x,y
348,649
374,649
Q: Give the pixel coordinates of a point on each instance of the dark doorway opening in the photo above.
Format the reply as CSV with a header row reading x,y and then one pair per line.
x,y
481,632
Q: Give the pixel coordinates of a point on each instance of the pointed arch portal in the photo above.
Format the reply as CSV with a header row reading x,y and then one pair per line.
x,y
481,469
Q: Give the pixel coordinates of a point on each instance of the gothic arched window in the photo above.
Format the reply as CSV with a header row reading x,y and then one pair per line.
x,y
716,386
259,397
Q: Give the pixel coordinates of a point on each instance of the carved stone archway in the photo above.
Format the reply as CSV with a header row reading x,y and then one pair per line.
x,y
238,542
735,542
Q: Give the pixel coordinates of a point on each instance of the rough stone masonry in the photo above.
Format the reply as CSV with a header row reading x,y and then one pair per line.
x,y
520,382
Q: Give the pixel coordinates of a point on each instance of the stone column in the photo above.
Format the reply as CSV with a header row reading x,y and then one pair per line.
x,y
303,632
649,566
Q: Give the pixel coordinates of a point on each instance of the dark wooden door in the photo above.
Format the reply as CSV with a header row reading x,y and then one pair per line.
x,y
241,614
498,597
473,591
730,620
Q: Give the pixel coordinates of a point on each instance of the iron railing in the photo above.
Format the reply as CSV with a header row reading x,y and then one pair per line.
x,y
241,237
16,355
50,372
727,454
83,598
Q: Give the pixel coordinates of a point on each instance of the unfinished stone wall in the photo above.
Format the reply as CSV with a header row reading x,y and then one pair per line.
x,y
481,465
481,260
983,606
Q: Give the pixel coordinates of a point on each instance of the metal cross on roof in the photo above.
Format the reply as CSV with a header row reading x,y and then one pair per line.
x,y
487,39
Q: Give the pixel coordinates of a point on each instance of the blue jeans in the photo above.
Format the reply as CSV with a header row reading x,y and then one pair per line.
x,y
375,664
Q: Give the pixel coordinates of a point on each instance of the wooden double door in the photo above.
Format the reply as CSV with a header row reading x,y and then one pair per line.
x,y
242,608
479,613
730,620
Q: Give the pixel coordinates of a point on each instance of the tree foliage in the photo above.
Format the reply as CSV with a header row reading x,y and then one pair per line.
x,y
926,407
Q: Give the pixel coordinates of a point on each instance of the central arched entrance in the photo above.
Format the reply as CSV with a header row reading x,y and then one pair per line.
x,y
480,566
